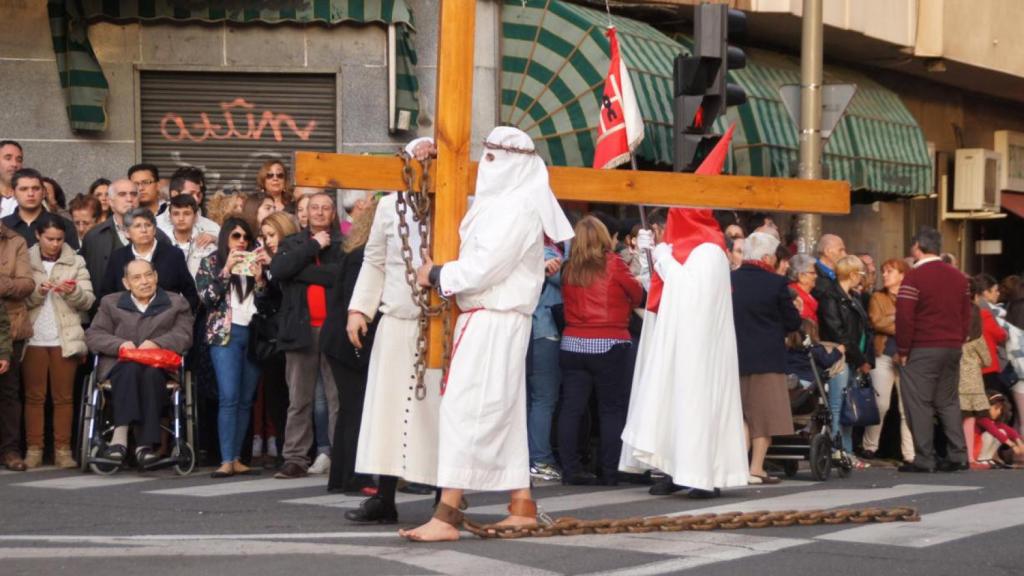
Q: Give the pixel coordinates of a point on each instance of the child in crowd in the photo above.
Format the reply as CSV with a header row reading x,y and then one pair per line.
x,y
997,433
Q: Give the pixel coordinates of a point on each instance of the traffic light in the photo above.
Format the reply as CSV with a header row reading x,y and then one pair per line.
x,y
702,89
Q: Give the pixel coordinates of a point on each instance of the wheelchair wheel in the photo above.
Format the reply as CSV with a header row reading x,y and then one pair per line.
x,y
87,415
821,457
790,468
186,459
102,469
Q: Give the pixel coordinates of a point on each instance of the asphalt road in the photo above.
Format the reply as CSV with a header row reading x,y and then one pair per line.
x,y
56,522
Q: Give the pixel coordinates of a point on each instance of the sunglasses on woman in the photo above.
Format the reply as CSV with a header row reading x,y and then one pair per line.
x,y
275,175
239,236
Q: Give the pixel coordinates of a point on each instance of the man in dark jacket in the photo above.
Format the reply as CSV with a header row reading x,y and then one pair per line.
x,y
143,244
111,234
306,266
763,313
143,316
29,192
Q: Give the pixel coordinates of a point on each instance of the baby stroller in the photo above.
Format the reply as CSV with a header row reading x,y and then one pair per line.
x,y
817,439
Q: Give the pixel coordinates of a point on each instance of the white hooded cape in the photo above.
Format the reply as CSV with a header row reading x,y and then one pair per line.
x,y
685,415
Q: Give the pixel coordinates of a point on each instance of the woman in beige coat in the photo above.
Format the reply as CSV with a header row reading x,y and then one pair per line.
x,y
63,291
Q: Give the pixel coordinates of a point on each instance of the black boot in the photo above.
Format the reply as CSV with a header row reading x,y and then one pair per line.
x,y
698,494
664,487
373,511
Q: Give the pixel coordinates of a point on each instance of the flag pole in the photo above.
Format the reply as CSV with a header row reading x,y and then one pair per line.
x,y
643,219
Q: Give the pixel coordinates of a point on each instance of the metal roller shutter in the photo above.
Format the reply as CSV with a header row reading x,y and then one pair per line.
x,y
228,124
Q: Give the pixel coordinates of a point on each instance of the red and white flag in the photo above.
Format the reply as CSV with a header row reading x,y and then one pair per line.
x,y
621,128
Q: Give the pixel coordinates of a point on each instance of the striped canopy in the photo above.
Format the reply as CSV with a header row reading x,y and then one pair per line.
x,y
877,145
85,87
554,58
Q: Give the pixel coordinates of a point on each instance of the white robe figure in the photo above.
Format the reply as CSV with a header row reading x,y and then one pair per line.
x,y
398,434
685,417
497,281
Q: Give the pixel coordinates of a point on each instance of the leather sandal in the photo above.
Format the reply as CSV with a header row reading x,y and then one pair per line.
x,y
449,515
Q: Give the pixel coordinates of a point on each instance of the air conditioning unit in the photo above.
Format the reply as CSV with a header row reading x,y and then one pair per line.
x,y
976,182
1011,146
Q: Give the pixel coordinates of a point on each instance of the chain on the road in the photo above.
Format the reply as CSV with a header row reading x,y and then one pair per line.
x,y
419,201
725,521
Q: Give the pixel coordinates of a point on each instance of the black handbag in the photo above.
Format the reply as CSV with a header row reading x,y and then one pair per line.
x,y
860,408
262,337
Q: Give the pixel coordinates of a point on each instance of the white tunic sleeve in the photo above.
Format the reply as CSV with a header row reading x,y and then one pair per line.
x,y
493,249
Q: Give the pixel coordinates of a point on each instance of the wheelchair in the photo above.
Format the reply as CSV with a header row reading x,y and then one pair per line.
x,y
97,426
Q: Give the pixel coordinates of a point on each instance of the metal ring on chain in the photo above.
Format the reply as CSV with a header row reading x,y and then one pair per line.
x,y
568,526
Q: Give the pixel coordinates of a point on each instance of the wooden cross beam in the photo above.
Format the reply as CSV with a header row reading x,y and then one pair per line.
x,y
455,174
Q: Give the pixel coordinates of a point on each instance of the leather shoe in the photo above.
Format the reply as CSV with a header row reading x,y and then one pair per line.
x,y
579,479
949,466
373,511
698,494
289,471
914,468
14,463
664,487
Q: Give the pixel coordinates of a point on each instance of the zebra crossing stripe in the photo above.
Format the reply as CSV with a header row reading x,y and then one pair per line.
x,y
242,487
939,527
579,501
347,502
83,481
685,549
830,498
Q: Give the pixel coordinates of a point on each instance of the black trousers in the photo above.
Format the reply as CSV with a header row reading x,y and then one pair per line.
x,y
10,403
139,396
607,375
351,385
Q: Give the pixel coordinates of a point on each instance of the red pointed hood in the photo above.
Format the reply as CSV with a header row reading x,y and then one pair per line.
x,y
687,228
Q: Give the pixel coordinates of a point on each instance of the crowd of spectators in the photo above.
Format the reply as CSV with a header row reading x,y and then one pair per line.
x,y
254,290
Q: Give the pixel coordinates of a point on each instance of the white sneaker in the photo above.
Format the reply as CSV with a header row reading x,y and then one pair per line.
x,y
321,465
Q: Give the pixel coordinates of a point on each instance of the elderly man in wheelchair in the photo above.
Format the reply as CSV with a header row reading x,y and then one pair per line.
x,y
142,317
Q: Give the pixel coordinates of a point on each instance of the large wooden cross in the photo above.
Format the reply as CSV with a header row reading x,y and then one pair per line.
x,y
455,174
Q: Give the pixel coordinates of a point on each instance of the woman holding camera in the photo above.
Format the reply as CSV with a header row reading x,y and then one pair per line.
x,y
228,283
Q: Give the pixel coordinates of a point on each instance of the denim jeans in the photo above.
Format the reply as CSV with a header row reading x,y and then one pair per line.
x,y
321,418
237,377
543,379
836,387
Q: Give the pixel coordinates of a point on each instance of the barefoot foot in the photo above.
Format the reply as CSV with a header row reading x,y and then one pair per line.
x,y
433,531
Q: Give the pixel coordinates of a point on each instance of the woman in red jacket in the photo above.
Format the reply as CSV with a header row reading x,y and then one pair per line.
x,y
995,336
599,294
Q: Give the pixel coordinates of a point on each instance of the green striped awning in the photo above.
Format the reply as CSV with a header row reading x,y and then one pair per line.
x,y
85,87
877,146
554,60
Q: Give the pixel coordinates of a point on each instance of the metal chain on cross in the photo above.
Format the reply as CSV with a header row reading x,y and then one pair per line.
x,y
419,202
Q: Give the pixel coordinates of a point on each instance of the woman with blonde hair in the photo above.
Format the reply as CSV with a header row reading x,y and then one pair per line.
x,y
270,410
272,179
599,294
844,321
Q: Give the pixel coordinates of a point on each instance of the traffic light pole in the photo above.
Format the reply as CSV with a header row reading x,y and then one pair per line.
x,y
808,226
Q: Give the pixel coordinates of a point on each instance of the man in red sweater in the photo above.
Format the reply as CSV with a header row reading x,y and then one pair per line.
x,y
932,321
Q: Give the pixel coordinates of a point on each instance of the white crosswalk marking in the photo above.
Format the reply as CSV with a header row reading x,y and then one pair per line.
x,y
832,498
84,481
242,487
939,527
580,501
345,502
687,549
